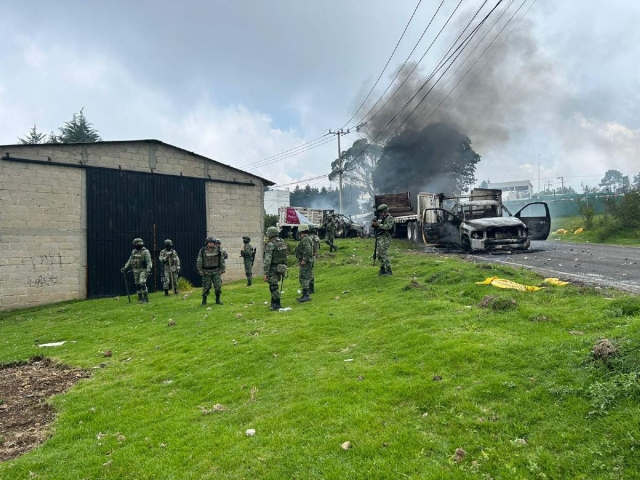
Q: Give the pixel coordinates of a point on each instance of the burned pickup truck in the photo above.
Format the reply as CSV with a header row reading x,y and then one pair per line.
x,y
480,222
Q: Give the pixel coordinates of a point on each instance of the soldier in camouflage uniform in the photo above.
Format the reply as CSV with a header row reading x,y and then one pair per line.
x,y
211,264
140,262
331,233
171,267
315,239
218,244
384,227
248,255
304,254
275,265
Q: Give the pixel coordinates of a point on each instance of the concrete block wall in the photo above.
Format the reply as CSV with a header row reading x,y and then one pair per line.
x,y
43,213
42,234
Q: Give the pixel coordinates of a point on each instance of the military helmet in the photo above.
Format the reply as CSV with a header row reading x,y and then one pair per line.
x,y
312,228
217,241
168,243
210,240
137,241
272,232
246,239
383,207
303,228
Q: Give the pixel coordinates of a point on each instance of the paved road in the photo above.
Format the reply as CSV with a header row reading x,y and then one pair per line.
x,y
603,265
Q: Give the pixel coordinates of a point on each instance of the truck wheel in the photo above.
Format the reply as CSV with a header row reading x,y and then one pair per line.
x,y
410,232
296,235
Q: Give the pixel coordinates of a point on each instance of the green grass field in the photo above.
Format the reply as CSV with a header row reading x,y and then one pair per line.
x,y
603,231
519,390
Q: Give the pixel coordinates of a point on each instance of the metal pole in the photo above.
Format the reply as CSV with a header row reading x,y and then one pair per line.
x,y
340,172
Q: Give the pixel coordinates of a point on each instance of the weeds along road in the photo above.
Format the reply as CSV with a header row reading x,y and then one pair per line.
x,y
602,265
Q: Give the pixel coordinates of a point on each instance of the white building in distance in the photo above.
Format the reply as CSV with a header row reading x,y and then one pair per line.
x,y
516,190
273,199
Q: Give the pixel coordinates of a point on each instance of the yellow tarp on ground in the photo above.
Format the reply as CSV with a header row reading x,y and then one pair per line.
x,y
579,231
502,283
561,231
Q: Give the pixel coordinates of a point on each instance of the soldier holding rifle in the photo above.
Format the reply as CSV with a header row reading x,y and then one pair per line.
x,y
383,226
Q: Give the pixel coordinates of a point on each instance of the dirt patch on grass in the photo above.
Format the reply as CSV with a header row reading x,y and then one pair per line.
x,y
25,414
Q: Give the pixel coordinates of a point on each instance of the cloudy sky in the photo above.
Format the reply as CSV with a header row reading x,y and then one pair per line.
x,y
246,80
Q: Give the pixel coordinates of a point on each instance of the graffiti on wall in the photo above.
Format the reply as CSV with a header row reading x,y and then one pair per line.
x,y
48,279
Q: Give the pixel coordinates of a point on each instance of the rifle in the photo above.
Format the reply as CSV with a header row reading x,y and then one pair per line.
x,y
173,284
126,285
253,256
375,248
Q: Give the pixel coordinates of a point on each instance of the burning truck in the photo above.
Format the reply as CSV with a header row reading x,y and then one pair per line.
x,y
290,218
475,222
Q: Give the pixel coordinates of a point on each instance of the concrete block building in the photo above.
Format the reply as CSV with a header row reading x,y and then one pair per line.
x,y
68,214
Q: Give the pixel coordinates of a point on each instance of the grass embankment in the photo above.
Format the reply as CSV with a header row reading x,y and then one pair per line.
x,y
407,368
605,230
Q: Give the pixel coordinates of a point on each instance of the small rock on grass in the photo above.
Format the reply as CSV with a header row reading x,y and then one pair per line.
x,y
459,455
171,323
345,446
107,353
250,432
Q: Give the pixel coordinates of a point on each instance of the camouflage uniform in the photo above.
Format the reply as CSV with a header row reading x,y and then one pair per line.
x,y
275,253
384,228
315,239
140,262
168,254
304,254
331,233
211,264
248,254
218,244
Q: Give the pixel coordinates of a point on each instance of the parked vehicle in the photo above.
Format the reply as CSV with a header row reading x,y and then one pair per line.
x,y
347,227
480,222
290,218
475,222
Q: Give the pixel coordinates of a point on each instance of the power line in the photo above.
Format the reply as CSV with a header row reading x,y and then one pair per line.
x,y
293,154
362,120
400,69
301,181
303,145
386,65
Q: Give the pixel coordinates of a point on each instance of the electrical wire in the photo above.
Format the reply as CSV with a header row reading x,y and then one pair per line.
x,y
301,181
398,72
386,65
303,145
292,154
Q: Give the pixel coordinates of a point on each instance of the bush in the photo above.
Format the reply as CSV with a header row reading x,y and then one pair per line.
x,y
184,285
586,211
270,221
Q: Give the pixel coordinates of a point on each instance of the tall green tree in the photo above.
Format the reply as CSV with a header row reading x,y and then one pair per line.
x,y
636,182
33,137
359,163
612,181
435,159
78,130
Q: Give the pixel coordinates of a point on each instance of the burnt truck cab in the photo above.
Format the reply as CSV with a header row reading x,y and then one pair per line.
x,y
480,222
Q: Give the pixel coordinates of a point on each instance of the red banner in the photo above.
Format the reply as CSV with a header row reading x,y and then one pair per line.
x,y
292,216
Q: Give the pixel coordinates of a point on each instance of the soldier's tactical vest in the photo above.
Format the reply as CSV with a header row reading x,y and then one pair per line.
x,y
137,258
211,258
279,254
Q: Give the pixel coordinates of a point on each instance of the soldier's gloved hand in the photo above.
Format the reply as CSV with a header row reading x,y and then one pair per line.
x,y
265,278
375,224
122,270
222,272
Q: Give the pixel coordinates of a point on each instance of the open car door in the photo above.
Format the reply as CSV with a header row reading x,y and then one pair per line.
x,y
536,216
440,227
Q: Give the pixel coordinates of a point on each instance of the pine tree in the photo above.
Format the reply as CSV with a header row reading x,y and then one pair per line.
x,y
33,137
78,130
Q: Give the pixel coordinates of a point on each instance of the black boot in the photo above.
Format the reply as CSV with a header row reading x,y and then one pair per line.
x,y
335,249
248,282
140,298
204,300
145,297
305,296
382,271
166,293
274,305
218,302
312,287
389,272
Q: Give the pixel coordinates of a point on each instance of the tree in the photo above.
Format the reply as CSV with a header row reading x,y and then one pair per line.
x,y
565,189
53,138
358,164
33,137
636,182
435,159
612,181
485,183
78,130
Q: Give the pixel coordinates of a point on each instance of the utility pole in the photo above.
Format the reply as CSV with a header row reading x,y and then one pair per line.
x,y
562,181
339,132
